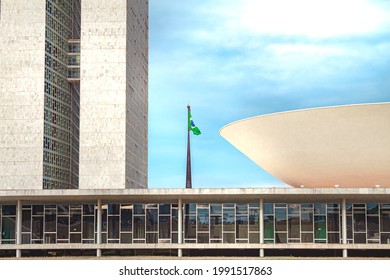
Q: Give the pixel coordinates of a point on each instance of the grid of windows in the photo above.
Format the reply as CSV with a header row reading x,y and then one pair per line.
x,y
203,223
61,114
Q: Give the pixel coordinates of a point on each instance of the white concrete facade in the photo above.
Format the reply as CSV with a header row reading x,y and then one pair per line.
x,y
22,58
112,116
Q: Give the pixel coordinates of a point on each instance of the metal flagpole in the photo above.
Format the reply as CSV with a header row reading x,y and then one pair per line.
x,y
188,173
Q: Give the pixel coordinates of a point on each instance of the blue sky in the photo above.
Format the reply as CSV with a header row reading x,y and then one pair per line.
x,y
234,59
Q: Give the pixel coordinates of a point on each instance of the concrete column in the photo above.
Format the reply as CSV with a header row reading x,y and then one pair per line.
x,y
18,227
99,227
344,226
180,226
261,225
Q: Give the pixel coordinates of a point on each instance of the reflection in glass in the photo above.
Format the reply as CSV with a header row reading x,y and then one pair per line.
x,y
320,208
307,237
175,220
359,238
293,227
307,220
203,219
385,219
165,209
37,227
268,208
50,220
63,228
372,209
280,237
333,222
88,227
203,238
26,220
372,227
151,220
215,227
151,238
228,219
190,226
164,227
216,209
139,208
241,209
229,238
280,219
253,219
126,238
242,227
359,221
113,227
139,227
88,209
75,220
320,227
126,219
254,238
269,226
113,209
8,227
333,237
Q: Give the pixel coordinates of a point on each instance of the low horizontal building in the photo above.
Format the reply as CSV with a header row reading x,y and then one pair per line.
x,y
246,222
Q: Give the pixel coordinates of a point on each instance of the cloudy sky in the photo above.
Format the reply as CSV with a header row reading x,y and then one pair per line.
x,y
234,59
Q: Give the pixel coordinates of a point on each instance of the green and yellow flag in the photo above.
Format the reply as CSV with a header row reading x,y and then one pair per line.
x,y
191,125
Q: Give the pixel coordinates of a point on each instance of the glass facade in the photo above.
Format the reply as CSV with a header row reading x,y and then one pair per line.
x,y
202,223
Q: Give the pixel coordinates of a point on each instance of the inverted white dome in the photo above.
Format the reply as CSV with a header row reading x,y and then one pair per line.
x,y
344,146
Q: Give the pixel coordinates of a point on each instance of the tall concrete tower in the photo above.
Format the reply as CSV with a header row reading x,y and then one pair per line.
x,y
73,94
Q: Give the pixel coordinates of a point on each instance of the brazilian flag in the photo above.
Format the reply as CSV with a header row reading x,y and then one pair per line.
x,y
191,125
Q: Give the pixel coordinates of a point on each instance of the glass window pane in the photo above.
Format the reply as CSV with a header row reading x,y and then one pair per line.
x,y
359,238
359,221
320,227
88,209
113,227
26,221
229,238
37,209
8,228
190,226
203,219
241,209
9,210
165,209
320,208
293,227
307,237
372,227
215,227
75,220
372,209
88,227
75,238
253,219
307,220
293,209
139,208
242,227
113,209
268,208
228,219
37,227
280,237
216,209
280,219
269,226
151,238
50,220
63,228
333,222
385,220
126,238
151,220
385,238
203,238
175,220
254,238
334,237
126,219
164,227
